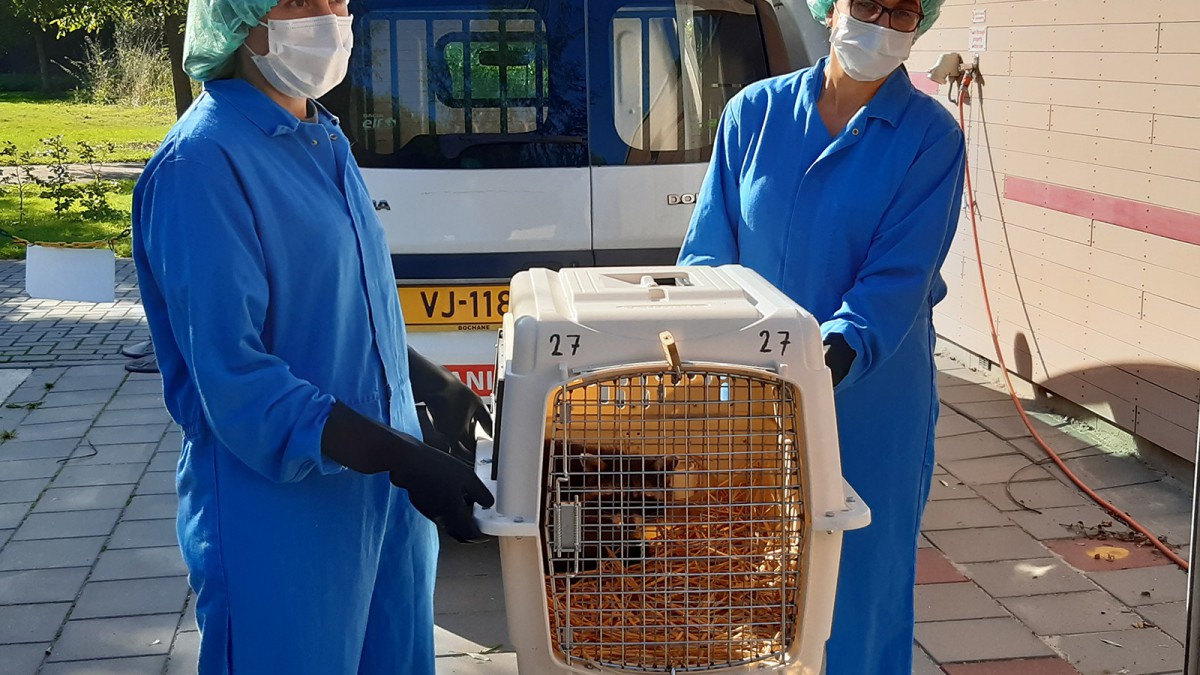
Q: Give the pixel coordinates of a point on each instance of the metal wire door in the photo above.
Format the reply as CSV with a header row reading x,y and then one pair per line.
x,y
674,519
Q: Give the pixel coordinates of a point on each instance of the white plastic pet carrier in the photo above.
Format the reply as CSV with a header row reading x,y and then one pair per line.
x,y
669,495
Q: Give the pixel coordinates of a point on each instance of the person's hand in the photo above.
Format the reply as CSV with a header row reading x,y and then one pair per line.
x,y
444,489
839,357
453,406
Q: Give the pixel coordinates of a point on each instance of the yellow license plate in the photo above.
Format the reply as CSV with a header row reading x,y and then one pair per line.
x,y
453,307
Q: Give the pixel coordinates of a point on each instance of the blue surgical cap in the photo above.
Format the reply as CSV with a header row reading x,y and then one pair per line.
x,y
931,8
215,30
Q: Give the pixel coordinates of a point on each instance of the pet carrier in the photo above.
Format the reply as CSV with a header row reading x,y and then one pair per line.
x,y
669,496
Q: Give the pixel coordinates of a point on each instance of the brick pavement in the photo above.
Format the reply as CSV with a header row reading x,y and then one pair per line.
x,y
91,580
38,333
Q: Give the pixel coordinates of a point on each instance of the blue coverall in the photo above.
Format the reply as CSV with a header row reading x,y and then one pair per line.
x,y
854,228
269,291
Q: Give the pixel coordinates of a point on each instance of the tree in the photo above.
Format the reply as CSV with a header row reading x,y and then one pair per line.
x,y
92,15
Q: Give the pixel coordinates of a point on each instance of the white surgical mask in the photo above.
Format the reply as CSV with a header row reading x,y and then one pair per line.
x,y
868,51
306,57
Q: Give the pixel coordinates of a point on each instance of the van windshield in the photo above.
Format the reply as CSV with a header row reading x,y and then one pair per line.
x,y
490,84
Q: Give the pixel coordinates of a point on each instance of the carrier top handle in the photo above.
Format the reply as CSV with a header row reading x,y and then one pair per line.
x,y
671,350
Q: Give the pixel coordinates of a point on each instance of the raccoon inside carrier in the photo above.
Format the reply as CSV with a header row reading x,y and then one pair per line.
x,y
682,515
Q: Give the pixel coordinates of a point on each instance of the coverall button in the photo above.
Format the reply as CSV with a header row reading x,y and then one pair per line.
x,y
314,141
854,131
333,137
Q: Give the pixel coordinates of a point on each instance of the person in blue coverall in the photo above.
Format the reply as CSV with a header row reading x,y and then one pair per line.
x,y
306,495
841,184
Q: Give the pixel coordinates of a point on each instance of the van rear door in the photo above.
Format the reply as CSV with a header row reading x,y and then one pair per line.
x,y
661,72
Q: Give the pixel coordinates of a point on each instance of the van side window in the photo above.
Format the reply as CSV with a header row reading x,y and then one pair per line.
x,y
674,67
443,86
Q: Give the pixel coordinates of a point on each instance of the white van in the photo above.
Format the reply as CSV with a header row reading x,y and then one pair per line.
x,y
497,136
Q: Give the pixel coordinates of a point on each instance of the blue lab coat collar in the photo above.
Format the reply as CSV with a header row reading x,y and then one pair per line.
x,y
888,104
257,107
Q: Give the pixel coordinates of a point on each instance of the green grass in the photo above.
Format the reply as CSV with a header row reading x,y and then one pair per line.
x,y
43,224
26,118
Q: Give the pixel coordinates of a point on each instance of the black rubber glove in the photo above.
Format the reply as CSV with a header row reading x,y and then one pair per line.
x,y
441,487
453,406
839,356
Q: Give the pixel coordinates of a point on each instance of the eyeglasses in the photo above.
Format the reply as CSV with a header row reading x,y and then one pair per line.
x,y
902,20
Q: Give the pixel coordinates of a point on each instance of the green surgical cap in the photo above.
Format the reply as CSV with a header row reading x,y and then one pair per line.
x,y
215,30
931,8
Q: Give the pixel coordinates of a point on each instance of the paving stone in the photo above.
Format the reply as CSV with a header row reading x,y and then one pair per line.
x,y
140,665
1067,613
21,659
979,640
50,553
952,602
1036,494
1170,617
93,455
56,415
1057,523
1092,555
152,507
988,409
1006,468
141,433
987,544
164,461
91,371
955,425
1146,585
84,498
106,382
141,387
134,417
61,399
31,623
1165,507
470,632
1012,667
970,394
131,597
112,474
456,560
922,664
970,446
188,622
21,491
947,487
1008,578
961,513
11,515
48,449
157,483
469,594
1008,428
144,534
5,535
185,654
139,563
28,468
933,568
67,524
135,401
1140,652
34,586
53,431
1109,471
113,638
490,664
1061,440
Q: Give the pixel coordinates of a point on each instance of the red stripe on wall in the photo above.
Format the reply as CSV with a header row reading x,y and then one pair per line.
x,y
922,82
1157,220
